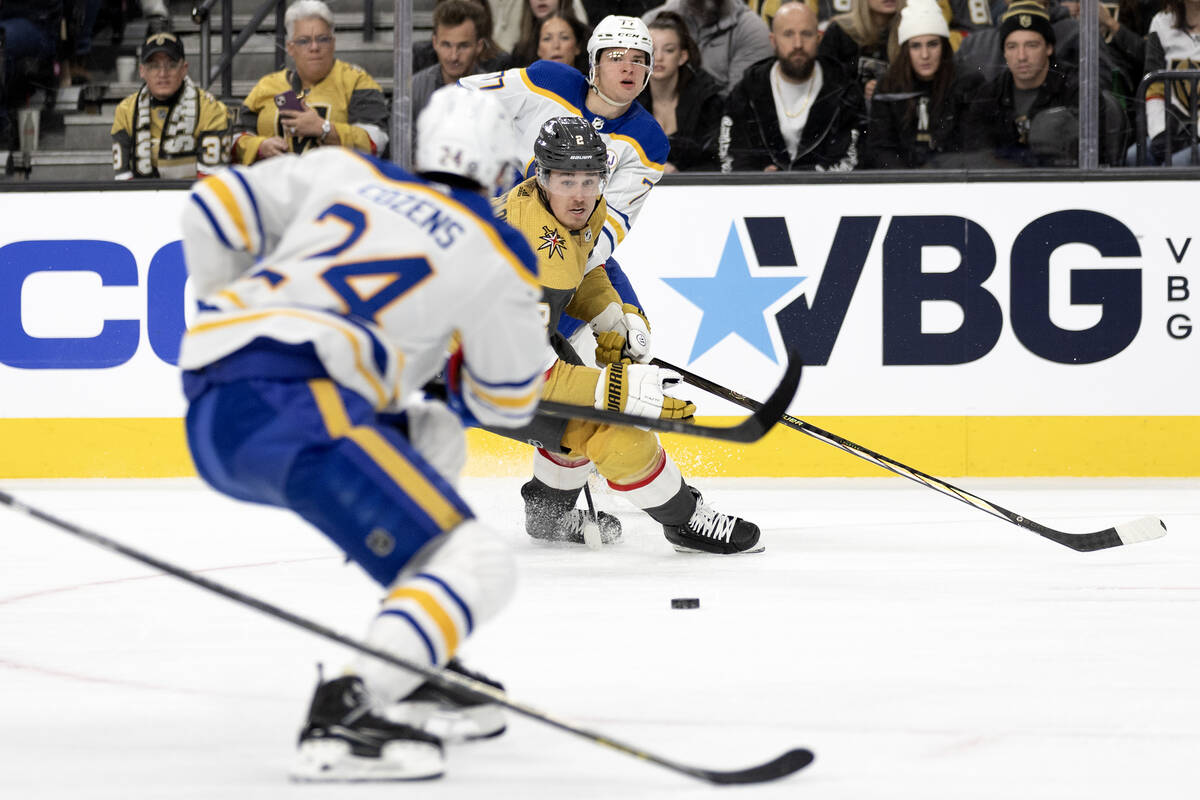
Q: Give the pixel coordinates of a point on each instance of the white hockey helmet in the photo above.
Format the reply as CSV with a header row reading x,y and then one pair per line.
x,y
627,33
467,133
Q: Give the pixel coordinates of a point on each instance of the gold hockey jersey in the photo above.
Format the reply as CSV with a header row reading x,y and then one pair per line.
x,y
348,97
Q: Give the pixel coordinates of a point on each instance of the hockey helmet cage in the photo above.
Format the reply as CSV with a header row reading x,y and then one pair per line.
x,y
467,133
570,144
628,33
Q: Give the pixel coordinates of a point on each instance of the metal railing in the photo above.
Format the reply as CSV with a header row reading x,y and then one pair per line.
x,y
202,16
1169,78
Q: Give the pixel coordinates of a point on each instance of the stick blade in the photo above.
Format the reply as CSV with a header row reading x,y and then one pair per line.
x,y
1143,529
786,764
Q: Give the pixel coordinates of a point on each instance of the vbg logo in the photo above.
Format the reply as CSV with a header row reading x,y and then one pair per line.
x,y
118,338
812,321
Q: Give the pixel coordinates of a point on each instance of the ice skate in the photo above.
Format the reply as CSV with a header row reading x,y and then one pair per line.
x,y
344,740
710,531
550,516
448,715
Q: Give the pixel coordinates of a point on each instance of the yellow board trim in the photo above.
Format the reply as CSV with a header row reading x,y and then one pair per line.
x,y
431,607
947,447
387,457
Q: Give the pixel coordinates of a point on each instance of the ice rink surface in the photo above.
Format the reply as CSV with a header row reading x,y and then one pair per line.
x,y
920,647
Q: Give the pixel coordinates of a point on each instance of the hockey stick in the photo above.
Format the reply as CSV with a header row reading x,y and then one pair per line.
x,y
786,764
1138,530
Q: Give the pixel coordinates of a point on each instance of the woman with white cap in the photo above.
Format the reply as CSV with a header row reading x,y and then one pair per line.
x,y
915,110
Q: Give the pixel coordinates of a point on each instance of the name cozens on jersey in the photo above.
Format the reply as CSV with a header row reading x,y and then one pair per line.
x,y
439,223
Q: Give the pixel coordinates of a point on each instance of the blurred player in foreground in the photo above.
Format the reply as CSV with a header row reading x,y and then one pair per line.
x,y
561,211
331,285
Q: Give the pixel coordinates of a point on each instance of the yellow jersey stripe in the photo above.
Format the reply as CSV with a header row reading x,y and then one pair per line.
x,y
381,395
616,226
638,149
381,451
501,400
230,203
231,297
329,403
488,230
431,607
549,95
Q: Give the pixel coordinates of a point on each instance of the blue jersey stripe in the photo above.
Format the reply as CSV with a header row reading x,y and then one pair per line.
x,y
212,221
424,638
262,237
453,596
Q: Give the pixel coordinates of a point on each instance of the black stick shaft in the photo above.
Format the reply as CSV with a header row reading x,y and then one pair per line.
x,y
784,765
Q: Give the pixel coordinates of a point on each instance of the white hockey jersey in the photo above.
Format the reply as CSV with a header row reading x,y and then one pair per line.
x,y
372,270
637,146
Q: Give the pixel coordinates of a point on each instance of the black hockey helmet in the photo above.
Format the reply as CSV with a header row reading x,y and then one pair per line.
x,y
570,144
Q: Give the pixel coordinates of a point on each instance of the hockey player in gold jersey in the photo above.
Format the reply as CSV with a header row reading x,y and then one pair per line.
x,y
561,211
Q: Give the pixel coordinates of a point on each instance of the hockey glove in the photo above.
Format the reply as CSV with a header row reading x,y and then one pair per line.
x,y
621,333
638,389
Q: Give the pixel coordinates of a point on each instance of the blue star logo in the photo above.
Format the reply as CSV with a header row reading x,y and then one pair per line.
x,y
733,301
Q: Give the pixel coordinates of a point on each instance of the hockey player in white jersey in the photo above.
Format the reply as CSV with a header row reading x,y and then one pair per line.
x,y
331,286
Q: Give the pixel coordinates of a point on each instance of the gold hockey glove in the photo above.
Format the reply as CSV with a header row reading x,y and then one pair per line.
x,y
621,333
639,389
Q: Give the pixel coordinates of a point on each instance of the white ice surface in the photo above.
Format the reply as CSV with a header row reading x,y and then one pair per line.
x,y
922,648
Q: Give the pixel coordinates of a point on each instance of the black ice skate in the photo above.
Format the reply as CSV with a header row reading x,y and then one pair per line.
x,y
710,531
449,715
551,516
345,741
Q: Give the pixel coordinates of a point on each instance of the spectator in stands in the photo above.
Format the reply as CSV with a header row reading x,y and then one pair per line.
x,y
563,25
457,40
29,31
862,40
730,36
1028,116
796,110
340,104
169,128
520,19
916,111
1172,43
562,38
491,58
683,97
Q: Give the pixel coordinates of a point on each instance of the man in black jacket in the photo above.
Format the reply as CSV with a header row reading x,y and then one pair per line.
x,y
793,111
1028,115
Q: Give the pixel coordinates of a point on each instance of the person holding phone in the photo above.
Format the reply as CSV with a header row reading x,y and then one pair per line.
x,y
321,101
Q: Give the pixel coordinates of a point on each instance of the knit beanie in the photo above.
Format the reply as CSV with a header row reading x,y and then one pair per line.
x,y
1029,15
921,18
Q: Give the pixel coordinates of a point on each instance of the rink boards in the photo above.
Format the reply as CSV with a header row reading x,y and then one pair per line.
x,y
963,328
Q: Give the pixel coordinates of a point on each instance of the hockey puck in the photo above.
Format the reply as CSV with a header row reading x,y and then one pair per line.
x,y
685,602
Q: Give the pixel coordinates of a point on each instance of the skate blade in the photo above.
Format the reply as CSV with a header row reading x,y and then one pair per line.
x,y
331,761
690,550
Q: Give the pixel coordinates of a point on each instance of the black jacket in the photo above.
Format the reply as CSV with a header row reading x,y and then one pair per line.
x,y
893,138
697,122
994,133
750,136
